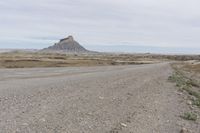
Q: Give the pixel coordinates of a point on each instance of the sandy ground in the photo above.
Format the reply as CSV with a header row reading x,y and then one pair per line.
x,y
107,99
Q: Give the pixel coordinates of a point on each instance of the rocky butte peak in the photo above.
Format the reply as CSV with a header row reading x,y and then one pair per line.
x,y
67,45
69,38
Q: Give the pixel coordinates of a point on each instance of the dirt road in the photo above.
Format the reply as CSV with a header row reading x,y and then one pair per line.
x,y
108,99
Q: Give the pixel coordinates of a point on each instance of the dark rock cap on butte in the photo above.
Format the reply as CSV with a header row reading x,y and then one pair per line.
x,y
67,45
70,38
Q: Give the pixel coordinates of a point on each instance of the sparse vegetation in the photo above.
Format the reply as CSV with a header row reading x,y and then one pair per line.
x,y
187,84
179,79
184,82
196,102
189,116
39,59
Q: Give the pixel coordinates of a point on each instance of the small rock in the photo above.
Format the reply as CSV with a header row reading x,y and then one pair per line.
x,y
25,124
179,93
123,124
101,98
189,102
43,119
191,107
184,130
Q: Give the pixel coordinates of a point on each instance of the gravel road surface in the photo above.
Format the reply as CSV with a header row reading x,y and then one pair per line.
x,y
106,99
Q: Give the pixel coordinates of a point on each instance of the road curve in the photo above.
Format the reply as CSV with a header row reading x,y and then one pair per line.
x,y
107,99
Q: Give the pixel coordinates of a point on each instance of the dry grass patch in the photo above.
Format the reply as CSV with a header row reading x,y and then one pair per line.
x,y
29,60
192,67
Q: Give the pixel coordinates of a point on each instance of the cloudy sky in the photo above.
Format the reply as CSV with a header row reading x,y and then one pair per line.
x,y
151,23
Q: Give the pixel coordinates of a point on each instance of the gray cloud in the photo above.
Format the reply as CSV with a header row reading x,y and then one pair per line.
x,y
171,23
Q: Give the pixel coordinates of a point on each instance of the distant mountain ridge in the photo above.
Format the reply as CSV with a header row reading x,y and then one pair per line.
x,y
17,50
66,45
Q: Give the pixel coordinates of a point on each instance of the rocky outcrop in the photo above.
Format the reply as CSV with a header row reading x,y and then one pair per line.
x,y
66,45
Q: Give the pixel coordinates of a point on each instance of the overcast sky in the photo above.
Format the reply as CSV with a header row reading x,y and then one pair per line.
x,y
40,23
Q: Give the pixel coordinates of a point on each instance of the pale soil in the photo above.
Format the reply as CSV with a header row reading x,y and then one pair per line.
x,y
108,99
